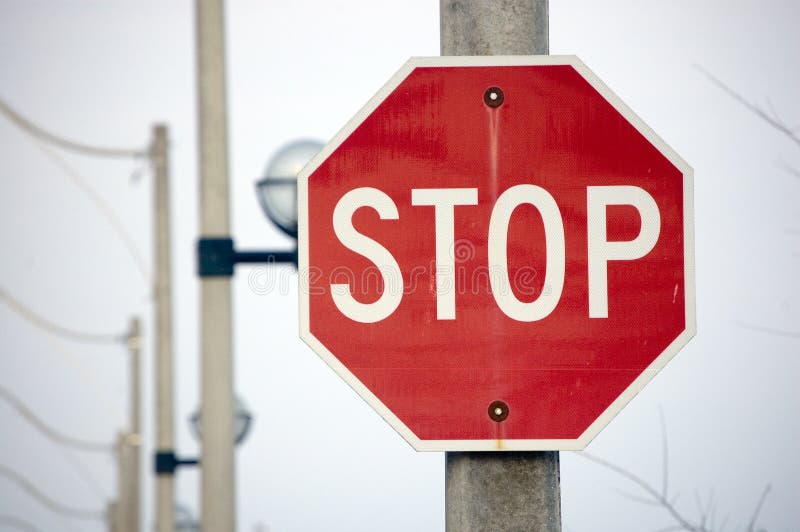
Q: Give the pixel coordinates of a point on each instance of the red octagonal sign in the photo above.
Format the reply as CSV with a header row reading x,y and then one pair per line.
x,y
496,253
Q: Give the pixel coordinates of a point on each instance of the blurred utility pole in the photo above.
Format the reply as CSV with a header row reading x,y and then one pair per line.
x,y
125,514
165,438
128,447
499,490
216,359
111,517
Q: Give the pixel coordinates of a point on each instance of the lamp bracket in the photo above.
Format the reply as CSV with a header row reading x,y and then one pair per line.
x,y
216,257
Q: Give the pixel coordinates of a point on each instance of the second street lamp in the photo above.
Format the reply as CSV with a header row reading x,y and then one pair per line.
x,y
184,520
167,461
242,421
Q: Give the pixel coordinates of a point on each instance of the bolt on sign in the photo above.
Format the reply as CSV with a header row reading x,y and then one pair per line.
x,y
496,253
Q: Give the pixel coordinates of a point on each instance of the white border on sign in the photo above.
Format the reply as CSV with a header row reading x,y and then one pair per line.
x,y
493,445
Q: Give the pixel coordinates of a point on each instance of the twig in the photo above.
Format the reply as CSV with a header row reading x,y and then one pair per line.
x,y
682,521
751,526
671,528
772,121
768,330
789,169
707,509
636,498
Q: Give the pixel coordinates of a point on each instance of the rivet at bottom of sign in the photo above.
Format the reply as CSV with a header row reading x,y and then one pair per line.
x,y
493,97
498,411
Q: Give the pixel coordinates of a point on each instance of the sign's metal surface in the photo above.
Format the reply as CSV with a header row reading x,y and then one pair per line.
x,y
496,253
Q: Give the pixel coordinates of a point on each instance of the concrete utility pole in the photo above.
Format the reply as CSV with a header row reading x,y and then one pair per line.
x,y
509,491
216,360
128,447
165,439
125,515
494,27
134,439
111,517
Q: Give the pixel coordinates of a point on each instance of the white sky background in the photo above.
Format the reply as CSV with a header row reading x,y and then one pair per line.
x,y
318,458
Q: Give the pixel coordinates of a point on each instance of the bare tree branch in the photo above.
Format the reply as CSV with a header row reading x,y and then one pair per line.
x,y
790,170
768,330
671,528
751,526
637,498
680,519
707,509
724,524
773,121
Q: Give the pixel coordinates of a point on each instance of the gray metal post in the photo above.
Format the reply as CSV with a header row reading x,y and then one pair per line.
x,y
508,491
494,27
216,360
165,439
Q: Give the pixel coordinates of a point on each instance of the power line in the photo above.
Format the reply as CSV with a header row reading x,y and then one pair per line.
x,y
49,432
43,138
16,522
66,144
79,466
101,206
46,501
58,330
83,472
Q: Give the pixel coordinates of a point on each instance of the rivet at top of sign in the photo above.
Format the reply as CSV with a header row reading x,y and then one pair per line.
x,y
498,411
493,97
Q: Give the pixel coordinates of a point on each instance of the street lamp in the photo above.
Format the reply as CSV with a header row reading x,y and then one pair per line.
x,y
242,420
184,520
277,190
168,461
277,194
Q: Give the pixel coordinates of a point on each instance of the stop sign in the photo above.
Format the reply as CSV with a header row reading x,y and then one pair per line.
x,y
496,253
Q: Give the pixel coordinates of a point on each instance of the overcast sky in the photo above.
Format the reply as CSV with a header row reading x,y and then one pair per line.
x,y
318,458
